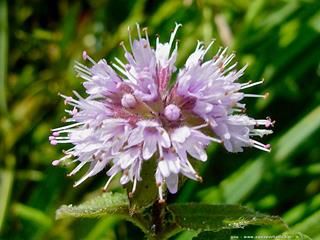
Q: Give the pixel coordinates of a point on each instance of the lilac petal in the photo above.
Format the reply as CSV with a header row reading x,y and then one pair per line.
x,y
124,179
172,183
149,147
96,167
180,134
158,176
135,137
174,166
164,168
197,152
164,139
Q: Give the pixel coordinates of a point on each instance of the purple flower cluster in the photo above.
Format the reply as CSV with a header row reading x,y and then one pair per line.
x,y
132,114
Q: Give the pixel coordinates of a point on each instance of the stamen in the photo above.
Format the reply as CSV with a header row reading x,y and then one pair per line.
x,y
200,126
173,34
120,62
214,139
56,134
138,30
121,70
80,68
133,188
67,127
145,30
57,162
208,47
199,178
229,59
123,46
249,84
85,56
104,189
161,200
130,39
261,146
256,95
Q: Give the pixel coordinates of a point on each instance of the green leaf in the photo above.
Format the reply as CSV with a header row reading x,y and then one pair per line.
x,y
293,235
221,235
207,217
146,192
236,187
41,219
289,142
310,225
106,204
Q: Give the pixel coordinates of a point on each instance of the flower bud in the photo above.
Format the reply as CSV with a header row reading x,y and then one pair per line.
x,y
128,100
172,112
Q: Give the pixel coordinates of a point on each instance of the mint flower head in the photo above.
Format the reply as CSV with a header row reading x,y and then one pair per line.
x,y
133,113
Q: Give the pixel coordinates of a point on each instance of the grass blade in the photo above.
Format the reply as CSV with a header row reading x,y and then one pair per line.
x,y
3,53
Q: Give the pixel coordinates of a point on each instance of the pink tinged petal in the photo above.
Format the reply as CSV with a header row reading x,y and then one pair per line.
x,y
117,145
148,123
202,108
188,172
174,167
149,147
127,158
172,183
197,151
124,179
172,161
180,151
180,134
135,137
228,146
162,53
114,170
158,176
164,139
164,168
196,56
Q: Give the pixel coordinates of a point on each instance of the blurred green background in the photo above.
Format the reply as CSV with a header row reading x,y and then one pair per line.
x,y
39,43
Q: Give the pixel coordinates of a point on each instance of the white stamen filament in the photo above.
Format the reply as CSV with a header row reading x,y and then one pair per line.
x,y
244,86
255,95
108,182
67,127
86,56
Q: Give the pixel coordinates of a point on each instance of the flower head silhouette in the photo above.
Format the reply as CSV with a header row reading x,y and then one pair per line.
x,y
132,113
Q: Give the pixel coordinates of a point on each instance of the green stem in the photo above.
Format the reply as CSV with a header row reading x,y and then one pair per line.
x,y
6,182
3,53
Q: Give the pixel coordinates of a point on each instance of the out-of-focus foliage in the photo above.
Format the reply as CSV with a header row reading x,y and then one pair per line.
x,y
39,42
